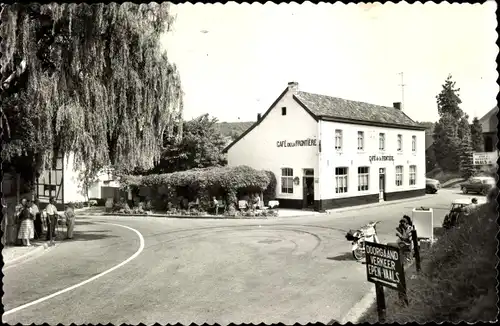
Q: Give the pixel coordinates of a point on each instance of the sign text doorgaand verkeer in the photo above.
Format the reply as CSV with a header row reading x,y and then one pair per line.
x,y
297,143
384,265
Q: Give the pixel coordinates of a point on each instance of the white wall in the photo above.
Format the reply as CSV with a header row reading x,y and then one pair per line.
x,y
351,158
73,190
103,180
258,149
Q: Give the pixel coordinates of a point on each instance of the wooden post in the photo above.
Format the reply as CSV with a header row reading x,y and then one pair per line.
x,y
403,298
416,249
381,308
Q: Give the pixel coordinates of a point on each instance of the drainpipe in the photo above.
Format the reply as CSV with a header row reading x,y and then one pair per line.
x,y
318,194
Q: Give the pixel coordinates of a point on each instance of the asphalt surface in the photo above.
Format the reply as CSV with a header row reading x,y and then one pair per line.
x,y
204,271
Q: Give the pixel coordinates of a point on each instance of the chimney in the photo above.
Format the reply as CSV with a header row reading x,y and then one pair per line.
x,y
293,86
397,105
259,116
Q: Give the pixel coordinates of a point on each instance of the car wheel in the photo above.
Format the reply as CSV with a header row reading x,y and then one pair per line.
x,y
464,190
434,191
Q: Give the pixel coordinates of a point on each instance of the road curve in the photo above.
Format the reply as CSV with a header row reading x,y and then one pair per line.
x,y
204,271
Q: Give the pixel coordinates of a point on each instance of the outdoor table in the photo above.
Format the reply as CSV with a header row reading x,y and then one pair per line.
x,y
274,204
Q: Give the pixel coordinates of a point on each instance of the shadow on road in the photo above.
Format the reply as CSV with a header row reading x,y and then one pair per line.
x,y
84,223
90,236
343,257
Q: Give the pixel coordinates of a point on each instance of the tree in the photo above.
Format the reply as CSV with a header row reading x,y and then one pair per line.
x,y
201,146
88,79
477,139
451,129
446,143
466,165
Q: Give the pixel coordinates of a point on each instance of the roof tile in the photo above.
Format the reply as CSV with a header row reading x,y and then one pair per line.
x,y
334,107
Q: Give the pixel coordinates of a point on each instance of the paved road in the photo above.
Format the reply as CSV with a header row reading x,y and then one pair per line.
x,y
285,270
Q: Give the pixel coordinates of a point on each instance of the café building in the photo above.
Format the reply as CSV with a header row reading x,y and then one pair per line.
x,y
328,152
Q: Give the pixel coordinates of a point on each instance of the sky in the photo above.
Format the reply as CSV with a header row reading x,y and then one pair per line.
x,y
236,59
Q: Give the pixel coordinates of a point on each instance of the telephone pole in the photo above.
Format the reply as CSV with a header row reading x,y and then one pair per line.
x,y
402,92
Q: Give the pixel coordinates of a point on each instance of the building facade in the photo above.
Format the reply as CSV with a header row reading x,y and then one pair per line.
x,y
328,152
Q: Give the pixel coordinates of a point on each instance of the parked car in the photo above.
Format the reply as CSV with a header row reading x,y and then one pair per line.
x,y
481,185
458,209
432,186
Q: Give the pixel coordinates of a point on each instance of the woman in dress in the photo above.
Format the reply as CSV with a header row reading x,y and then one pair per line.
x,y
70,220
26,228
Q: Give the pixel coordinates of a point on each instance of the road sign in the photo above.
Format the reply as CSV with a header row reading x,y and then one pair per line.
x,y
484,158
384,266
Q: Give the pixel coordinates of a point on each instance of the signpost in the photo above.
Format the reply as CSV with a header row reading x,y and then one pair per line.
x,y
384,267
484,158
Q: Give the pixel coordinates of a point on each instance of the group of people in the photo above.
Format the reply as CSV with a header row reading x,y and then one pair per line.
x,y
30,221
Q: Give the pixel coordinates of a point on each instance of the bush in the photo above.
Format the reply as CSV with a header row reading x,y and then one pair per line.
x,y
204,182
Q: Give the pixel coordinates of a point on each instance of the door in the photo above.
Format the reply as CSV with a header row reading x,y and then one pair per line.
x,y
308,189
381,184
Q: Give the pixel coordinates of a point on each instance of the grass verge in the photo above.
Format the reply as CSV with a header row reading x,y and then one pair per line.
x,y
458,278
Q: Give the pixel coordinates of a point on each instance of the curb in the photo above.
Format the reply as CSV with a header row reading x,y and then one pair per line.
x,y
199,217
394,202
38,250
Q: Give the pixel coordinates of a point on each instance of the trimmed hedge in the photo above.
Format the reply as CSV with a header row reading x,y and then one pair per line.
x,y
206,182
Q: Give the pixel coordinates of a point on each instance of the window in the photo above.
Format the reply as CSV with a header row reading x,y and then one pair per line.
x,y
400,143
361,140
381,142
363,178
287,181
283,111
338,139
399,175
413,143
413,175
340,180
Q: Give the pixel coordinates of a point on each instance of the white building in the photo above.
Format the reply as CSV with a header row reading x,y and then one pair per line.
x,y
328,152
64,184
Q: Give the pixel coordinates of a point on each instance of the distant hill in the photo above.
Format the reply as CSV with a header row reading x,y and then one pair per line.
x,y
428,125
233,130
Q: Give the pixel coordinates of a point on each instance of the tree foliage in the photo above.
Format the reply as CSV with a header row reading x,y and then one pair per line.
x,y
477,139
88,79
452,131
201,146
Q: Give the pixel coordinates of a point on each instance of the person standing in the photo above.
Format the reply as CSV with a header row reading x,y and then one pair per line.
x,y
26,228
38,218
70,220
51,211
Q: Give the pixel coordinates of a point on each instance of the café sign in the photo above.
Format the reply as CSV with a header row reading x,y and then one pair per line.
x,y
297,143
484,158
378,158
384,266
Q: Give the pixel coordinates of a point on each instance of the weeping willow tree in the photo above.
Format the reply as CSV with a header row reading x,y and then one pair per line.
x,y
87,79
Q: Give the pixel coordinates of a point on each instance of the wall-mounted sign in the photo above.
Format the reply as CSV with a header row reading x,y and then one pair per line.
x,y
484,158
384,265
297,143
381,158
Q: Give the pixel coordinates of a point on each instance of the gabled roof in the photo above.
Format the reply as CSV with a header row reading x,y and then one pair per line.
x,y
322,107
334,107
485,120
